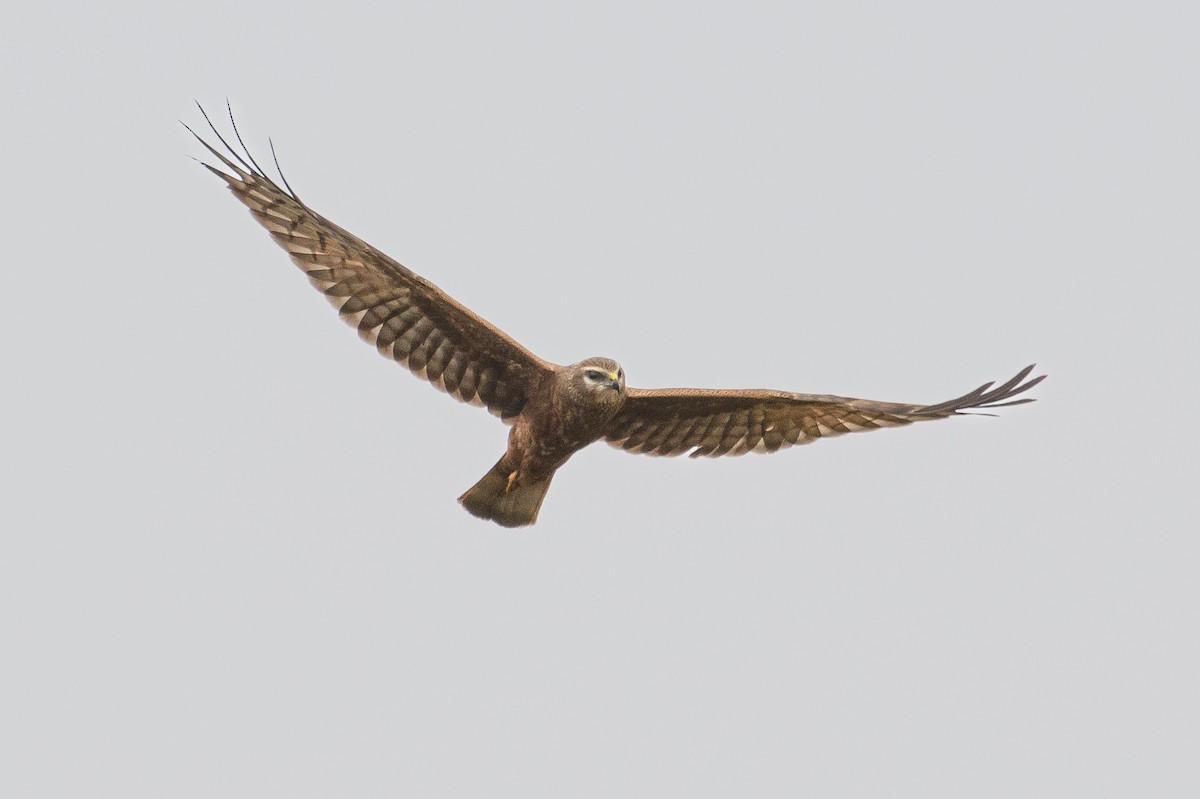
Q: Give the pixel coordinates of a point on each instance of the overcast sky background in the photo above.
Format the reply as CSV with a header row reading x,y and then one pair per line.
x,y
232,564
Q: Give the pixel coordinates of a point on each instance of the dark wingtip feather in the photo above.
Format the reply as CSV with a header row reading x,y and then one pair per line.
x,y
237,134
282,176
216,154
246,169
987,397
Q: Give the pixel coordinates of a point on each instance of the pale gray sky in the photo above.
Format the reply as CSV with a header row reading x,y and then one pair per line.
x,y
232,564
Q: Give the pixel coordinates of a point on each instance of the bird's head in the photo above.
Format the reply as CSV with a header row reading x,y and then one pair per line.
x,y
600,378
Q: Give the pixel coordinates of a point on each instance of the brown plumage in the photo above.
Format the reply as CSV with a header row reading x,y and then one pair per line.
x,y
554,410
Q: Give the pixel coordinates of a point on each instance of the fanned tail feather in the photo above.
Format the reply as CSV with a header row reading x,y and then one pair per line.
x,y
492,499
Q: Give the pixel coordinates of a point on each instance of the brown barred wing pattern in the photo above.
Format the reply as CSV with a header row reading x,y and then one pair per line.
x,y
406,317
713,422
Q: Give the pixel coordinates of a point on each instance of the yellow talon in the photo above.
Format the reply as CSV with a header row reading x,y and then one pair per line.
x,y
512,478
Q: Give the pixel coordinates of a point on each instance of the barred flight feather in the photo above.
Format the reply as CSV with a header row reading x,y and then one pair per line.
x,y
404,316
711,423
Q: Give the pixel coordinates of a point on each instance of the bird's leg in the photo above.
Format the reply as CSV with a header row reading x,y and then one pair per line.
x,y
512,479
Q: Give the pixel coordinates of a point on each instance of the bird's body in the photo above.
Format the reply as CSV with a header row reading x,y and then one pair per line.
x,y
554,410
562,417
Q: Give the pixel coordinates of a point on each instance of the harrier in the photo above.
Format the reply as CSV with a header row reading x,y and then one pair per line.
x,y
554,410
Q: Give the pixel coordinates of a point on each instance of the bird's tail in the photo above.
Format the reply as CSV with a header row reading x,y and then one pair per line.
x,y
508,506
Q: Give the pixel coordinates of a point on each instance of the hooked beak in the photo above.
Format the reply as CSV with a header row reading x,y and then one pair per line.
x,y
613,382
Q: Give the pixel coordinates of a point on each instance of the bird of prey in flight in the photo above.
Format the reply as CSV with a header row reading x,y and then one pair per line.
x,y
553,410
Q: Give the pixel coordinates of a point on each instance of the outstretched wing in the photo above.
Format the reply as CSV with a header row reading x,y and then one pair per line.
x,y
402,314
711,422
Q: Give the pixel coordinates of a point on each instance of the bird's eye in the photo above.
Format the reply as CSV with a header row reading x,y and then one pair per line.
x,y
592,374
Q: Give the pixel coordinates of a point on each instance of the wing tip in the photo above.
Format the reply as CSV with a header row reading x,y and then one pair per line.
x,y
245,170
987,397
